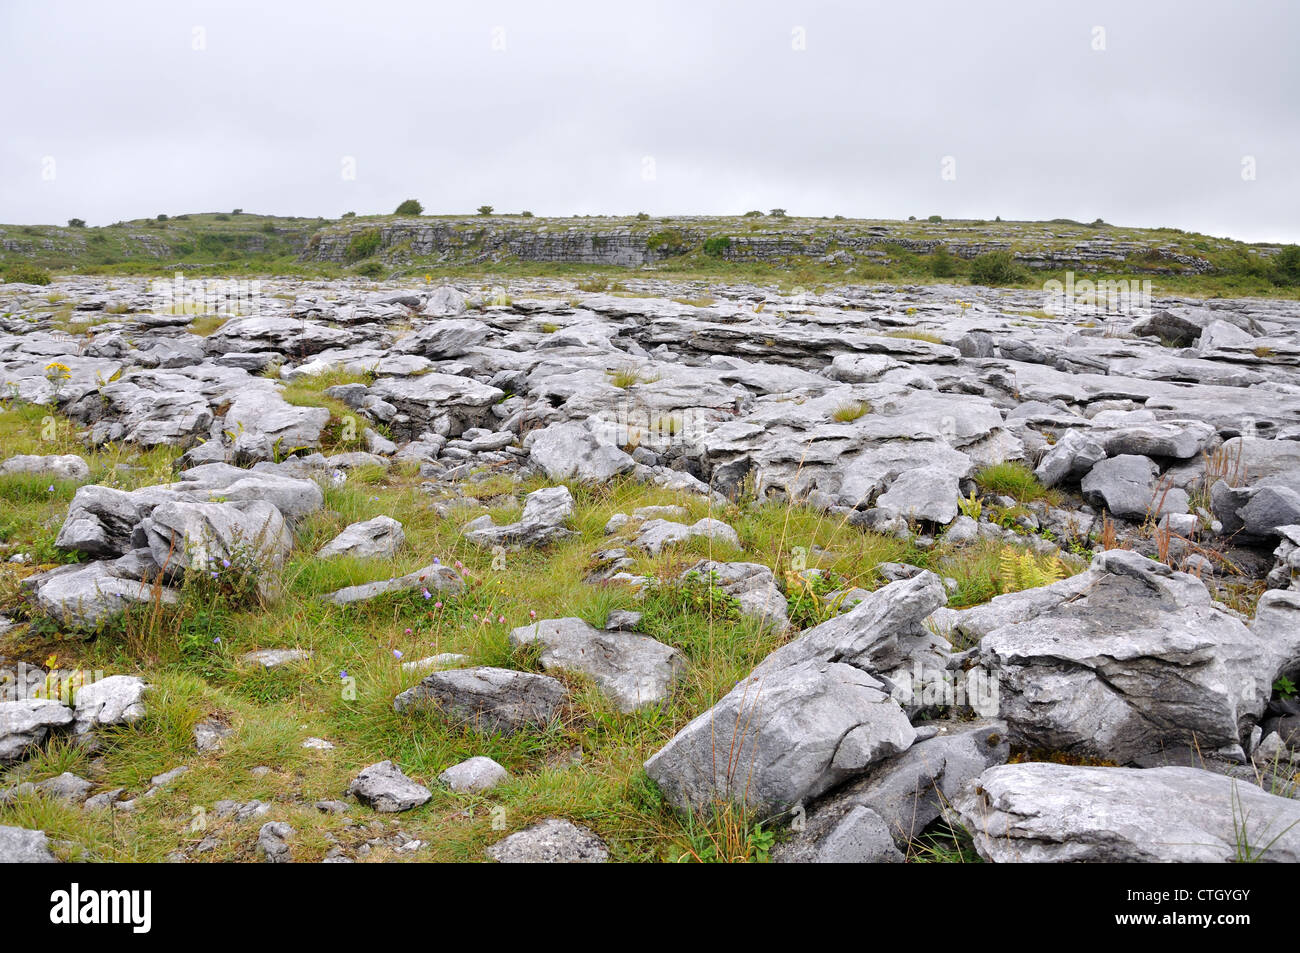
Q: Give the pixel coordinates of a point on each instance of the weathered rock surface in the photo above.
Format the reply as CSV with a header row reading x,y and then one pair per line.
x,y
552,841
487,699
875,818
474,775
378,538
1127,659
634,671
27,722
810,716
1042,812
19,845
385,788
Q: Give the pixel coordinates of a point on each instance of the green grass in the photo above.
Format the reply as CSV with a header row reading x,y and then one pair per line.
x,y
851,411
1012,478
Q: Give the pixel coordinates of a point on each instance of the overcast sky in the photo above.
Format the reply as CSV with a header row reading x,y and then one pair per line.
x,y
1138,112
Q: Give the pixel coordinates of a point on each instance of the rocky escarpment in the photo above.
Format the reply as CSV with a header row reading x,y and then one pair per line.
x,y
488,239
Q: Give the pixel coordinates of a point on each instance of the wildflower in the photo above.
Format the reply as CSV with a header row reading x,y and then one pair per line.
x,y
408,631
343,673
397,653
225,564
50,488
459,564
532,613
437,605
216,640
427,594
436,561
501,618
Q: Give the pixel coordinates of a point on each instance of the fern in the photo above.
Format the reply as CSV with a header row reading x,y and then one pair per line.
x,y
1021,569
970,506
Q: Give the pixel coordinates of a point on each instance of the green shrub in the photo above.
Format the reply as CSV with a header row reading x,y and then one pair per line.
x,y
1286,267
370,269
76,223
26,274
668,242
410,207
485,209
995,268
935,218
363,245
717,247
941,263
777,213
643,216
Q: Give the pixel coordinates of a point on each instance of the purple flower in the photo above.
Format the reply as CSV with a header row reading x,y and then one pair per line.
x,y
343,673
225,564
437,561
397,653
216,640
426,593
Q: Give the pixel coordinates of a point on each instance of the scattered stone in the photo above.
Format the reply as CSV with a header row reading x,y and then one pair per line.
x,y
552,841
474,775
273,843
275,658
385,788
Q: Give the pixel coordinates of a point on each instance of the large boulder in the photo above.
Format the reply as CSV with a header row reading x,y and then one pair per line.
x,y
378,538
27,722
443,339
810,716
634,671
60,466
214,537
116,700
84,597
1127,486
1043,812
571,451
444,301
487,699
268,417
877,817
778,740
1128,659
